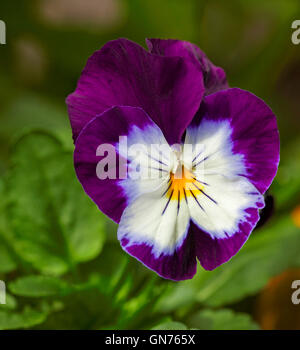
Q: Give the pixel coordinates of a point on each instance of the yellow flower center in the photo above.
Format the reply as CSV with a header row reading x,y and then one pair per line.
x,y
183,184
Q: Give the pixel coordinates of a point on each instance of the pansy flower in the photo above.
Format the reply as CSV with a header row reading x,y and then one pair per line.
x,y
177,106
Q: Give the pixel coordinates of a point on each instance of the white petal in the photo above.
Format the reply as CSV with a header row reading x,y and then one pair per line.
x,y
223,204
225,194
214,138
150,162
156,220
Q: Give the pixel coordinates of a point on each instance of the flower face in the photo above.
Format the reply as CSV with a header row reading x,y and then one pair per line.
x,y
198,158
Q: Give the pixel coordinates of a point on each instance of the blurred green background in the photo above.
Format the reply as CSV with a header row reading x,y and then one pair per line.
x,y
59,256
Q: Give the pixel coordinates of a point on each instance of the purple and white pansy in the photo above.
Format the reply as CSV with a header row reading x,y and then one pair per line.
x,y
211,152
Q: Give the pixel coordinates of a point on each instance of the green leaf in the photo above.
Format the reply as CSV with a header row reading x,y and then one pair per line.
x,y
11,303
268,252
176,296
7,263
286,187
52,225
27,318
171,325
39,286
31,111
221,320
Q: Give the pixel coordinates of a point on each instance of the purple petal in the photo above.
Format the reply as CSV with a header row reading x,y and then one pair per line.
x,y
122,73
108,194
254,132
179,266
213,252
214,77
